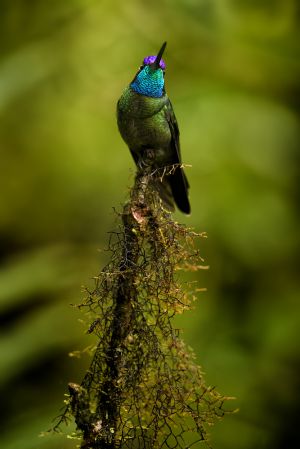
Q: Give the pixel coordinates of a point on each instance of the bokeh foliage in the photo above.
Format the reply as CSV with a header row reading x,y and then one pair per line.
x,y
233,76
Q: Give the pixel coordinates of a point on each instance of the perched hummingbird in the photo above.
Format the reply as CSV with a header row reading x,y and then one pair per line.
x,y
148,125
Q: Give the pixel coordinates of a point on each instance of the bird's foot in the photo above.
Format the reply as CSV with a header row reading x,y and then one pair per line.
x,y
146,159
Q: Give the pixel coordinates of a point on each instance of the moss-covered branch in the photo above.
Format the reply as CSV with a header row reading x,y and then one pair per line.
x,y
143,388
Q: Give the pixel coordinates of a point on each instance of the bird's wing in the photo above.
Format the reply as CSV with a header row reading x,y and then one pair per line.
x,y
175,145
172,122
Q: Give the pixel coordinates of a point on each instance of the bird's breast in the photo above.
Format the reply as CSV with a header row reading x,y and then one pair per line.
x,y
142,121
140,106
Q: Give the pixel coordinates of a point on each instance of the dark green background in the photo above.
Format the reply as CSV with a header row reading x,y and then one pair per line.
x,y
233,74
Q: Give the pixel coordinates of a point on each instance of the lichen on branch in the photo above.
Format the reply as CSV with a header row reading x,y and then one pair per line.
x,y
143,388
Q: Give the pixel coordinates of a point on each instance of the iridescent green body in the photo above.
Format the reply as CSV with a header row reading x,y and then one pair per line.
x,y
143,125
148,125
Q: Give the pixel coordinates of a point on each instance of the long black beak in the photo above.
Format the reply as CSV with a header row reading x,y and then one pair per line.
x,y
159,55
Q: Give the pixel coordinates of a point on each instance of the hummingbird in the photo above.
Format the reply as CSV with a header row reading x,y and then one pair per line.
x,y
148,125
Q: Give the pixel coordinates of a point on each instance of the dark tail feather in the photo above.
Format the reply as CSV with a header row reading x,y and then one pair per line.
x,y
179,186
164,190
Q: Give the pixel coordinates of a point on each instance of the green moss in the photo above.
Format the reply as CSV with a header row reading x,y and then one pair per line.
x,y
143,388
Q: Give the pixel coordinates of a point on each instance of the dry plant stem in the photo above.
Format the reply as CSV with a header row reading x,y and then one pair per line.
x,y
110,396
143,389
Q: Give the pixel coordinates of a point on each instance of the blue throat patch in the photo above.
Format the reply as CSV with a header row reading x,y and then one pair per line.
x,y
149,82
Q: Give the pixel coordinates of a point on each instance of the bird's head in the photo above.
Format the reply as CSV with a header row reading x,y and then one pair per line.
x,y
149,80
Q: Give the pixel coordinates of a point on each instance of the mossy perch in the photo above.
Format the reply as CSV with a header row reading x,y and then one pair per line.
x,y
143,389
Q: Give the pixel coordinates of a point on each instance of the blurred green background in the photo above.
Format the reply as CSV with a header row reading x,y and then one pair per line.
x,y
233,71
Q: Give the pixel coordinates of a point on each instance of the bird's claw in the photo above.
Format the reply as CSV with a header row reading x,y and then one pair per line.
x,y
146,159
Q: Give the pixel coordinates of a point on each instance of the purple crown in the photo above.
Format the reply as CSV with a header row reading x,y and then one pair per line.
x,y
151,59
